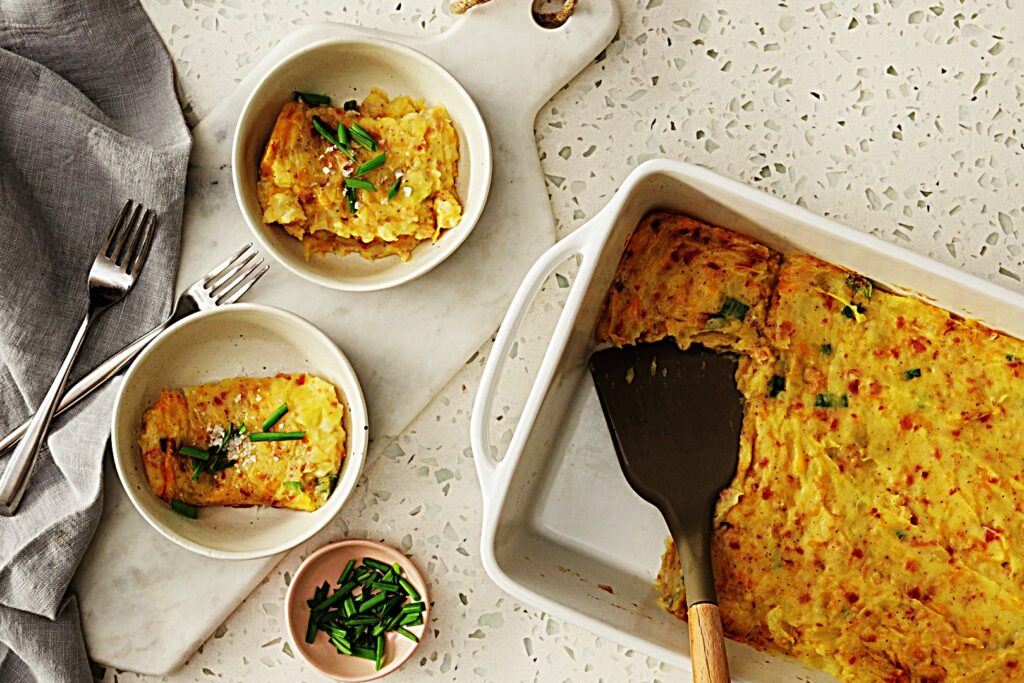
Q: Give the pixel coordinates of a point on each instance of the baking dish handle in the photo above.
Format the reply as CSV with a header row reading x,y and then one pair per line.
x,y
484,454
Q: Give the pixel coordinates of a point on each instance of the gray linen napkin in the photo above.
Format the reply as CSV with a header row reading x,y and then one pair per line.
x,y
88,118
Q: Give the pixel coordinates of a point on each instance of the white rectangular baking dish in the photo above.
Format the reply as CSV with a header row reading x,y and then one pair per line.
x,y
561,528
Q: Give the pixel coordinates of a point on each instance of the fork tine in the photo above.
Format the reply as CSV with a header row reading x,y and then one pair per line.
x,y
242,287
141,251
228,280
222,267
107,243
125,237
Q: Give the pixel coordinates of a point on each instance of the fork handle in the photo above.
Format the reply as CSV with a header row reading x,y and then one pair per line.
x,y
19,467
92,381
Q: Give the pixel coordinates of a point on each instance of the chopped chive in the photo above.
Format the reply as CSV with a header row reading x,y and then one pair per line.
x,y
194,453
407,634
347,571
364,653
320,126
359,184
344,137
351,105
223,465
853,310
826,349
276,436
184,509
350,195
776,385
393,190
293,485
380,652
408,588
363,137
411,620
413,607
911,374
373,163
312,99
197,467
373,602
348,606
311,628
859,283
831,401
733,308
275,416
386,587
397,568
375,564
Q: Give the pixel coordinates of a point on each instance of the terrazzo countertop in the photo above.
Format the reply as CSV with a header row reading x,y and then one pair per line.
x,y
893,117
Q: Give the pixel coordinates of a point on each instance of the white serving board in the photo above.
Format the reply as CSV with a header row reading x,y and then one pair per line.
x,y
147,604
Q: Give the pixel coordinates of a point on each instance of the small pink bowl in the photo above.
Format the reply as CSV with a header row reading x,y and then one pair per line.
x,y
325,565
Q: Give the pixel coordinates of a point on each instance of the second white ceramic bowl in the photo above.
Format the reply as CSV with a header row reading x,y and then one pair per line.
x,y
234,341
344,69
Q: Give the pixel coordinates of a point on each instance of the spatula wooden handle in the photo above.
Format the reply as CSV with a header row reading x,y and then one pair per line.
x,y
707,644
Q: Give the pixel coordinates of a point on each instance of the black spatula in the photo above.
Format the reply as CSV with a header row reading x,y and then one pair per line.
x,y
675,418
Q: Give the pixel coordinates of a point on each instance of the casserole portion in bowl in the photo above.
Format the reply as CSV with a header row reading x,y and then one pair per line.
x,y
374,179
276,441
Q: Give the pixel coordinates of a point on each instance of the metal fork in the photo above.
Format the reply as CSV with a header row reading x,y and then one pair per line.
x,y
224,284
113,273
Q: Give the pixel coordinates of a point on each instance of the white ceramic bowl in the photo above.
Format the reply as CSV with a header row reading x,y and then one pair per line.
x,y
234,341
344,69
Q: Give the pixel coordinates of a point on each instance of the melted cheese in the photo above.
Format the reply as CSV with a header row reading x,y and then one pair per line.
x,y
874,525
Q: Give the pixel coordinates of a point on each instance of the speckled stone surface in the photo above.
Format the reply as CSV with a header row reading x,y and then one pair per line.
x,y
896,118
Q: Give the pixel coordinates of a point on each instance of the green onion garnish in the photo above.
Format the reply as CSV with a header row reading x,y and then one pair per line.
x,y
312,99
351,105
276,436
393,190
363,137
375,564
407,634
776,385
733,308
197,467
294,485
408,588
359,184
275,416
184,509
344,137
373,163
826,349
911,374
347,571
831,401
325,130
350,195
194,453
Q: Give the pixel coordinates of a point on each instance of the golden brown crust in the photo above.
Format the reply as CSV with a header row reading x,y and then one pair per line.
x,y
674,279
873,528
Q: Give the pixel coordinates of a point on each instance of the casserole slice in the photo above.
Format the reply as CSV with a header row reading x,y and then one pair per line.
x,y
298,474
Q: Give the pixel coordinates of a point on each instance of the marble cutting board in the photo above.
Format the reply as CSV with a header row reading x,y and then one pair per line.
x,y
146,603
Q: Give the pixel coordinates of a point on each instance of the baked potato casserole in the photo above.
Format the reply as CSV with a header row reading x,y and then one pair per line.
x,y
375,179
874,526
277,441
